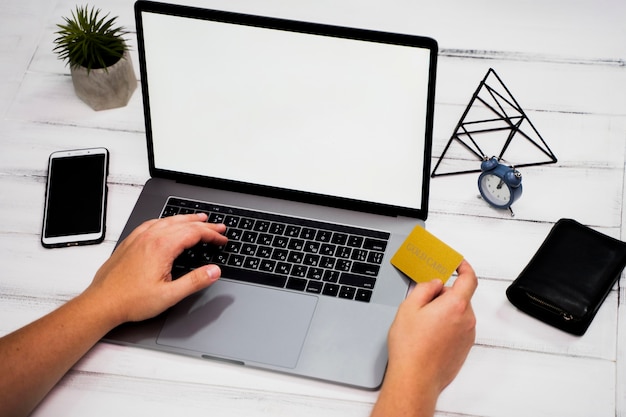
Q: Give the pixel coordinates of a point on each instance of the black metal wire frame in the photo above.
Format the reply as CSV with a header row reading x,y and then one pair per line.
x,y
513,123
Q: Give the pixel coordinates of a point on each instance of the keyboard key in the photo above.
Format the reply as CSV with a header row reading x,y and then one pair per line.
x,y
233,234
307,233
330,276
315,287
375,257
283,268
327,262
365,269
357,280
347,292
232,247
343,265
216,218
248,236
375,244
363,295
277,228
248,249
355,241
246,224
359,255
327,249
292,231
267,265
231,221
299,271
264,252
330,289
280,254
311,247
261,226
280,242
265,239
295,257
323,235
339,238
254,277
169,211
311,260
298,284
315,273
236,260
296,244
251,262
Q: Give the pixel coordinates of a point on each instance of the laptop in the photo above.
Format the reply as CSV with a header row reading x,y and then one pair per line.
x,y
312,143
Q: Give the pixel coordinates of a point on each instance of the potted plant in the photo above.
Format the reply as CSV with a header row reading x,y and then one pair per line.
x,y
95,49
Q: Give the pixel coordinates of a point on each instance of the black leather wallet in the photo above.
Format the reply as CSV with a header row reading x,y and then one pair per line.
x,y
569,277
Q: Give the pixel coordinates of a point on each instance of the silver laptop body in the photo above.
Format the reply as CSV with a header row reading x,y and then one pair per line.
x,y
299,119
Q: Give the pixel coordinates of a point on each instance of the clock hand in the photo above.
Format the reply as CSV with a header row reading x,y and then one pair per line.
x,y
500,183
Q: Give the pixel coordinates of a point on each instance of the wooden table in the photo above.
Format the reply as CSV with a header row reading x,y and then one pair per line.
x,y
564,62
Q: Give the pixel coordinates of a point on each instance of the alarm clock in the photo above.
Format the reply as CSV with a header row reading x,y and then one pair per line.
x,y
499,185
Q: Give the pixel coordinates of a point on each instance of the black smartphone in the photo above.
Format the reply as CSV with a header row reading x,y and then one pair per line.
x,y
76,197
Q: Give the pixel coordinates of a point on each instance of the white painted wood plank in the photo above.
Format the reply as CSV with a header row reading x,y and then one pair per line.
x,y
494,382
38,91
536,86
584,29
106,395
500,324
27,146
595,198
23,213
621,353
503,382
573,91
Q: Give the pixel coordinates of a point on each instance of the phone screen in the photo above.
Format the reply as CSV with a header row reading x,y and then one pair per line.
x,y
75,197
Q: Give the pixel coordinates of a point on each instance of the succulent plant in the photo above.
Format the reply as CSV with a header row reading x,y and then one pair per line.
x,y
90,40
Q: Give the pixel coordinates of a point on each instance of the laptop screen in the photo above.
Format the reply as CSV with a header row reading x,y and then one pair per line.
x,y
285,105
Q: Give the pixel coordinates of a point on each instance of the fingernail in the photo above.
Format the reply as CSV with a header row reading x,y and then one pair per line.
x,y
213,271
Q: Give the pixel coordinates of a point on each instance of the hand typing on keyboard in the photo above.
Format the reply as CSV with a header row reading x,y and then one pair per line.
x,y
286,252
135,283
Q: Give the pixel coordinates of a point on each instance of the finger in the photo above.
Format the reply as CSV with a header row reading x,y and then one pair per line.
x,y
466,282
180,219
425,292
192,282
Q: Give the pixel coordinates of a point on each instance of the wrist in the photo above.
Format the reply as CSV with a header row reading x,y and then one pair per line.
x,y
407,391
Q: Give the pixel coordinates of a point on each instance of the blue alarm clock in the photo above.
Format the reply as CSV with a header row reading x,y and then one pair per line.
x,y
500,185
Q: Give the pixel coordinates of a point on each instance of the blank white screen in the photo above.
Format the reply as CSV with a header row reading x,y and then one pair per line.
x,y
305,112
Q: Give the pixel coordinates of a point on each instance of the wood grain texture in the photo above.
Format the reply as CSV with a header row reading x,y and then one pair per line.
x,y
563,61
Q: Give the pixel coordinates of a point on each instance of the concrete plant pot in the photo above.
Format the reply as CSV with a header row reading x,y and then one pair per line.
x,y
104,89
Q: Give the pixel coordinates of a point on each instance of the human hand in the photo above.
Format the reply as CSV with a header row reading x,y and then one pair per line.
x,y
434,329
428,342
135,283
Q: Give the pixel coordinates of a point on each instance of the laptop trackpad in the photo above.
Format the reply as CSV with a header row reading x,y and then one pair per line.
x,y
241,322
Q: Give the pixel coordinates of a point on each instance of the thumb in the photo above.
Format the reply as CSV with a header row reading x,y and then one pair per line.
x,y
194,281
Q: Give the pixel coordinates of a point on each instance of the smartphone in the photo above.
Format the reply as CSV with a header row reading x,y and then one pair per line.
x,y
76,197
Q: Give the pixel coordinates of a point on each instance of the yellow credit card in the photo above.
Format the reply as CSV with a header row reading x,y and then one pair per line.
x,y
423,257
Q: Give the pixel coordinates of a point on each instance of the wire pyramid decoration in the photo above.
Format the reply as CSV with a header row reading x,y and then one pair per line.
x,y
493,124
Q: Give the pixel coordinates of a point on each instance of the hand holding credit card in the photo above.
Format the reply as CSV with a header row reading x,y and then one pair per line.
x,y
423,257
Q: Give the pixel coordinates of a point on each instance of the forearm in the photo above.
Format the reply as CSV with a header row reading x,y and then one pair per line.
x,y
37,356
404,394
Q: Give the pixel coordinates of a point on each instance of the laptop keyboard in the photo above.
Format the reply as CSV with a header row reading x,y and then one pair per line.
x,y
286,252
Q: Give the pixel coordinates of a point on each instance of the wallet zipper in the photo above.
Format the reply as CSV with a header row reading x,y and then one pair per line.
x,y
566,316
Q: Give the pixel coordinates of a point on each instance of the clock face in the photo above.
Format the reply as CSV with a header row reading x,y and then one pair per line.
x,y
495,190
